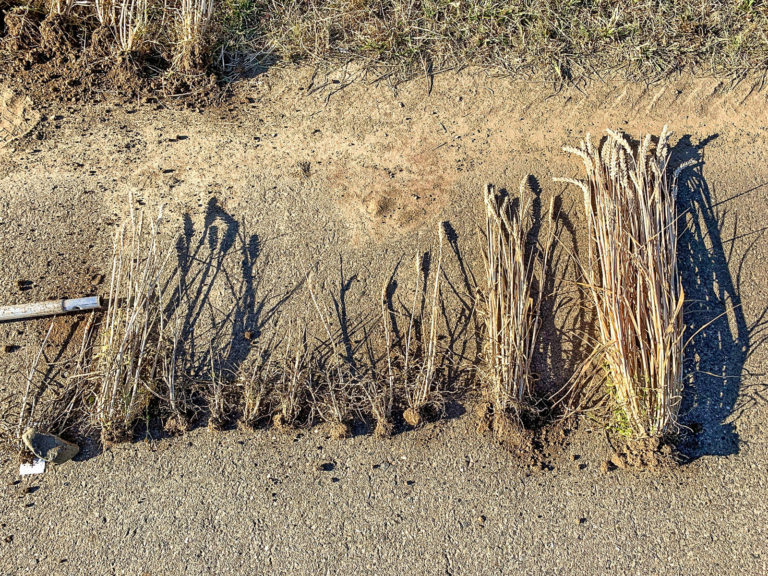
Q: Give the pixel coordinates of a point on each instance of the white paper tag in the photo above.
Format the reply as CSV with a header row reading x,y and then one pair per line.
x,y
37,467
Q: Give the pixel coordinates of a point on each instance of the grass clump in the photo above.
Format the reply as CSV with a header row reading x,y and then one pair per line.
x,y
334,395
419,347
379,387
632,278
49,400
257,380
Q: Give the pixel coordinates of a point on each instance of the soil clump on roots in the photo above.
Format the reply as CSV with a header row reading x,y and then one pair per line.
x,y
530,436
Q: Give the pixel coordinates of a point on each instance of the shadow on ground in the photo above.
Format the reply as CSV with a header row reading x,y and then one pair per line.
x,y
217,336
721,340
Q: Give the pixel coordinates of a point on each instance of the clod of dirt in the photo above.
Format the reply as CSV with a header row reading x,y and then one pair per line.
x,y
17,116
524,434
114,434
339,431
651,453
646,453
379,206
412,417
49,447
510,433
55,35
279,423
484,414
21,29
384,429
216,424
507,430
176,425
618,460
102,42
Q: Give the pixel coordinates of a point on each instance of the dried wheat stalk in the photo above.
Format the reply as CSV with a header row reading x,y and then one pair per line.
x,y
29,400
419,372
334,400
382,400
257,380
295,377
514,277
193,18
632,278
128,360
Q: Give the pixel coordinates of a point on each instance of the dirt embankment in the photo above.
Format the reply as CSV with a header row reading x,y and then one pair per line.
x,y
68,60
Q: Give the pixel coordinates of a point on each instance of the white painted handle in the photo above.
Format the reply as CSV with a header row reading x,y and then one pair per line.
x,y
50,308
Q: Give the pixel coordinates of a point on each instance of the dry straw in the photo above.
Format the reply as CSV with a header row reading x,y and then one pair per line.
x,y
515,274
420,355
295,377
632,279
257,379
130,358
334,400
380,388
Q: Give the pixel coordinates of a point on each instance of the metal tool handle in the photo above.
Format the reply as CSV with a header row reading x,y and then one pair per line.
x,y
49,308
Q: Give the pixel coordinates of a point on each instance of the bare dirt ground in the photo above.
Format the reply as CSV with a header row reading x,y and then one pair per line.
x,y
288,174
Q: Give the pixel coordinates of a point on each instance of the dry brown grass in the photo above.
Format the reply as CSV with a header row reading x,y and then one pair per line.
x,y
296,378
159,355
632,279
257,380
559,39
334,396
379,386
400,39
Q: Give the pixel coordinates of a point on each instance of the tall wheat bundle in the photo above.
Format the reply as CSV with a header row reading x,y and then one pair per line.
x,y
514,277
632,278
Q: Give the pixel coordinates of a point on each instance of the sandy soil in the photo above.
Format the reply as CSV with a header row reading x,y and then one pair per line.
x,y
289,174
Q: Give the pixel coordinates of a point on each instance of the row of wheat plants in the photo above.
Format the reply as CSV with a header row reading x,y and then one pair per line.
x,y
632,279
321,369
339,373
309,370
